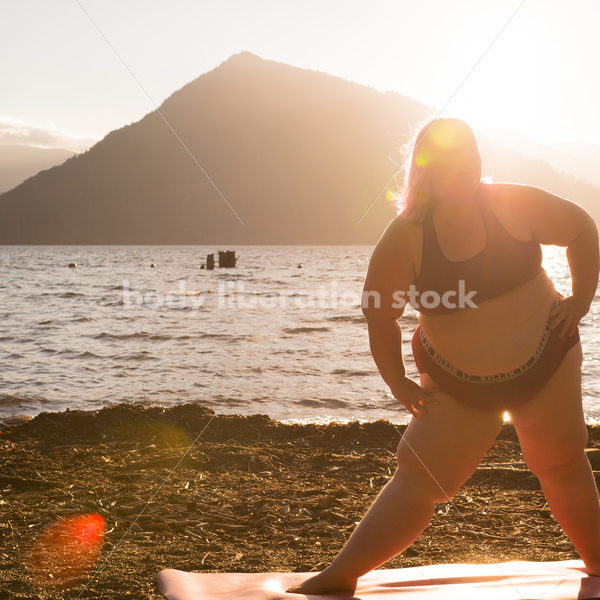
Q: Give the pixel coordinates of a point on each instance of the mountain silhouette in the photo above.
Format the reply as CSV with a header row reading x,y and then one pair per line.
x,y
298,154
20,161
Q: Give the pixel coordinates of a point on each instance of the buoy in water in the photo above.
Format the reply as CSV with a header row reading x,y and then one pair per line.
x,y
72,265
153,266
300,266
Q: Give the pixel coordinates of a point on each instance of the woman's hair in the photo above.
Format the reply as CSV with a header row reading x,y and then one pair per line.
x,y
430,142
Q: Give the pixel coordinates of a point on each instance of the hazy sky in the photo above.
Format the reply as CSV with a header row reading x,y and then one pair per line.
x,y
60,79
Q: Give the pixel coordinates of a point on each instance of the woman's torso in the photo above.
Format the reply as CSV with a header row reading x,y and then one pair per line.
x,y
503,331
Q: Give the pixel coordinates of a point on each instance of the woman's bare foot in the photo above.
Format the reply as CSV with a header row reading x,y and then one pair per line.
x,y
324,583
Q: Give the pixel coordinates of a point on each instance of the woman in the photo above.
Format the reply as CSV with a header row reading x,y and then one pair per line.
x,y
507,341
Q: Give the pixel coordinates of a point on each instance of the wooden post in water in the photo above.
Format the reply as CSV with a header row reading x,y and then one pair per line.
x,y
210,261
227,258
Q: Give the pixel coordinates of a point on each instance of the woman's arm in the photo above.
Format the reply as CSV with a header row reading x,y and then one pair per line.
x,y
584,264
385,340
391,272
583,258
560,222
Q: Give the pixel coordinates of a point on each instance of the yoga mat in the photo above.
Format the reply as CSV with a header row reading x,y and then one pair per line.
x,y
517,580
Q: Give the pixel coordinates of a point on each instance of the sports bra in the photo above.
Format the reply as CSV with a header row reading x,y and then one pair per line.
x,y
505,263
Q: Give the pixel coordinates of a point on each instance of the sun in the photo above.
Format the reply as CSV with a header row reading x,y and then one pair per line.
x,y
508,83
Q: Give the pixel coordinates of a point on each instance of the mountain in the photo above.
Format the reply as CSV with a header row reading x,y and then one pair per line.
x,y
298,154
20,161
574,157
506,164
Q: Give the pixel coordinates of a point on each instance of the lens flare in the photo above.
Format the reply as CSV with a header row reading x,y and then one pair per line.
x,y
65,551
447,143
424,156
390,195
447,135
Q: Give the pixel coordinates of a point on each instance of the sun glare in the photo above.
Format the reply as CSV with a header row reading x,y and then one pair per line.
x,y
510,86
66,550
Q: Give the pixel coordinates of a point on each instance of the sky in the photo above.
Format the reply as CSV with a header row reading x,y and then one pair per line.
x,y
62,84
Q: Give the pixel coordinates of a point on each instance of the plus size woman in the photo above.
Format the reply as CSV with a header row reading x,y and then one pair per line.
x,y
493,335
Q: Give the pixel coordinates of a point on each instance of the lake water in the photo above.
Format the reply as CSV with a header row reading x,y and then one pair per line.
x,y
266,337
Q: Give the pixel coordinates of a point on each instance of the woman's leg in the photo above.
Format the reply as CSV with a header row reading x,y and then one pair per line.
x,y
436,455
553,437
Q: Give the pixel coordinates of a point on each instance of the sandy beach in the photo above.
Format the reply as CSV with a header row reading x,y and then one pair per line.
x,y
251,495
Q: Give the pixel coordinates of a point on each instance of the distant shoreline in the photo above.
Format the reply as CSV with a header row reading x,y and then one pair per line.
x,y
220,245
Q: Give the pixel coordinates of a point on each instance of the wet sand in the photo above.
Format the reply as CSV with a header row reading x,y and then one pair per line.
x,y
251,495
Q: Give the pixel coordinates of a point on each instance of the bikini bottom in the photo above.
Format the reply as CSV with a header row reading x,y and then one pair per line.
x,y
499,391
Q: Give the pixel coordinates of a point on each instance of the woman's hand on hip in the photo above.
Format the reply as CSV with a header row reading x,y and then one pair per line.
x,y
413,396
567,314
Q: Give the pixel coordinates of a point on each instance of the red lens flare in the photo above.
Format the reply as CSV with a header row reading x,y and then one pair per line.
x,y
65,551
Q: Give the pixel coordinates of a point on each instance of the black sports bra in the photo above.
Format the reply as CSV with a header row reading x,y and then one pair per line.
x,y
505,263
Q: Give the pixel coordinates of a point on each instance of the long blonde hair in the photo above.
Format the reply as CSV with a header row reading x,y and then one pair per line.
x,y
421,152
